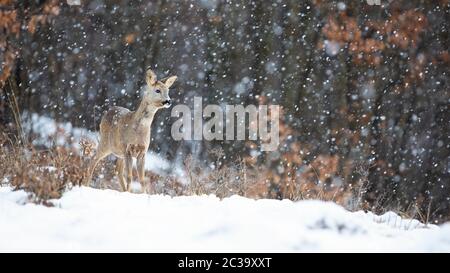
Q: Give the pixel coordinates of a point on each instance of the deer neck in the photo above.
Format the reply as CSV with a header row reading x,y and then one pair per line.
x,y
145,113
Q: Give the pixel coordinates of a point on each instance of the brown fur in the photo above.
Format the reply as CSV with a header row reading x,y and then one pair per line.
x,y
126,134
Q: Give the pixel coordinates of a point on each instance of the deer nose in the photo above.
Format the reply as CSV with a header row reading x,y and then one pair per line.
x,y
168,102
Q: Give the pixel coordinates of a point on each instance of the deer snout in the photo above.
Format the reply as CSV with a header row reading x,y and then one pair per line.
x,y
167,103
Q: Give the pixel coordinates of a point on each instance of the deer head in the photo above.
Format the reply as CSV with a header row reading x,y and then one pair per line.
x,y
157,91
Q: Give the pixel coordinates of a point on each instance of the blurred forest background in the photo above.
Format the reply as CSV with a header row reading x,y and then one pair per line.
x,y
364,88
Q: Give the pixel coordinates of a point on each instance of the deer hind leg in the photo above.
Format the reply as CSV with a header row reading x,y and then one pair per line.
x,y
99,155
119,169
141,170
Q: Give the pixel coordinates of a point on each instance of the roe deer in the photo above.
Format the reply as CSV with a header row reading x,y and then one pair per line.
x,y
126,134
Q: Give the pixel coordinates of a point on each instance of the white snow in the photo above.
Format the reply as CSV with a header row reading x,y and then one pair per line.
x,y
50,132
87,219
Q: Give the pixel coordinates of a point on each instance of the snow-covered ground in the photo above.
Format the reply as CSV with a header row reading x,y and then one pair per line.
x,y
87,219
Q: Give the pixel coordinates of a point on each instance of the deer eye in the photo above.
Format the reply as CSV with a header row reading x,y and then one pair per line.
x,y
158,91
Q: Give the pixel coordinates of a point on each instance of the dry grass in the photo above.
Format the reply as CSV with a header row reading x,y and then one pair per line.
x,y
44,174
220,180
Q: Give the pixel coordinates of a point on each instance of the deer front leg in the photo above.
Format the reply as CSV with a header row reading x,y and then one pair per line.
x,y
141,170
129,170
120,168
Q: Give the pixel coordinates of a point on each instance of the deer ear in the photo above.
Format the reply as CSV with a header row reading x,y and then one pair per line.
x,y
150,77
169,81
